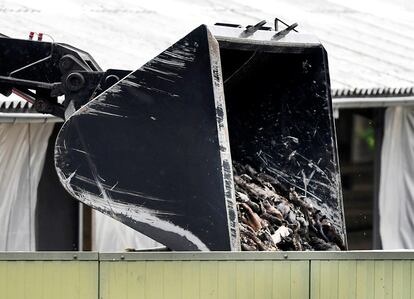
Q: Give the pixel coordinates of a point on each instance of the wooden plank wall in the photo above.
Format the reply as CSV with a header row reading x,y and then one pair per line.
x,y
49,279
311,278
362,279
204,279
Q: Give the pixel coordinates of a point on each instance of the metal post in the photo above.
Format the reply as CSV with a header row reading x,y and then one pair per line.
x,y
379,134
80,228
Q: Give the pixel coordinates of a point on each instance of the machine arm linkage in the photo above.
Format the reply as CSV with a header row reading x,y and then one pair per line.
x,y
41,72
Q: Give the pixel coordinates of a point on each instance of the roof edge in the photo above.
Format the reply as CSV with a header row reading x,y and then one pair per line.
x,y
371,102
373,92
21,117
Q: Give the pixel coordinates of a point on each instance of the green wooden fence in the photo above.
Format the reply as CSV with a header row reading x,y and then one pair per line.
x,y
313,275
49,275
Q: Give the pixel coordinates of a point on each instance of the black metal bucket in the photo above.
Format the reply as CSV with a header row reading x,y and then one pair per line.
x,y
280,118
153,151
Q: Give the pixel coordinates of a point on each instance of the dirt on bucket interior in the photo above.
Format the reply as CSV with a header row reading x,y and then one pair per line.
x,y
273,217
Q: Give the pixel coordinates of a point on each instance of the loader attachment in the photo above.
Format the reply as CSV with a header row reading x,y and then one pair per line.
x,y
280,118
153,151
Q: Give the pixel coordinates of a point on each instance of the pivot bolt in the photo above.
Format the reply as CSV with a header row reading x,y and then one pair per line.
x,y
66,63
42,106
111,80
75,81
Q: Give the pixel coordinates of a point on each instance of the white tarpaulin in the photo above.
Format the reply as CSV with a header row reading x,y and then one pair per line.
x,y
22,153
396,202
112,235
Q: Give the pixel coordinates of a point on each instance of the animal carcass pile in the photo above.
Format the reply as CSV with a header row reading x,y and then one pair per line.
x,y
273,217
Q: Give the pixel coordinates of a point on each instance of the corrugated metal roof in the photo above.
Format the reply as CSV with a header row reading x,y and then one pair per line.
x,y
373,92
15,104
370,44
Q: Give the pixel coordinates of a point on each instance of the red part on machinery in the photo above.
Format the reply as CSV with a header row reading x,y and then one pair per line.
x,y
23,95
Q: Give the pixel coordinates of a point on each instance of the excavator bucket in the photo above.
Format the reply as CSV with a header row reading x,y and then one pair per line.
x,y
153,151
